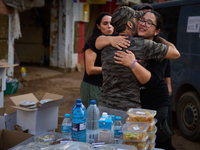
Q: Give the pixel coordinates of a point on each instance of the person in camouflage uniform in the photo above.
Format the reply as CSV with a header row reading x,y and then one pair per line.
x,y
120,88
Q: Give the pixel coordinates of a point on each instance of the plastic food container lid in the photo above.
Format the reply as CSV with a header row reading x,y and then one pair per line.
x,y
123,147
70,146
136,131
27,103
45,101
24,147
30,146
135,127
106,147
141,112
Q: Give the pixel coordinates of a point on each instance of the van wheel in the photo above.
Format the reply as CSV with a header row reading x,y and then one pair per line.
x,y
188,115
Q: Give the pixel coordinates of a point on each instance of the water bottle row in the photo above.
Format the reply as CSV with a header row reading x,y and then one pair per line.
x,y
91,128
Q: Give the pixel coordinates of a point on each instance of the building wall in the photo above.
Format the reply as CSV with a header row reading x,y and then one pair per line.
x,y
54,33
69,33
3,8
29,47
4,30
62,56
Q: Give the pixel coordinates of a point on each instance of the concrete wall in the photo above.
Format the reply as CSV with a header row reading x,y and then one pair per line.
x,y
62,20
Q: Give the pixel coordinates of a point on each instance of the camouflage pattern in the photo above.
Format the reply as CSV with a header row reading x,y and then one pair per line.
x,y
121,89
123,14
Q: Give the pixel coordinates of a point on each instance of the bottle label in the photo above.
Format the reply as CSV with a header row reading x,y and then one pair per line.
x,y
66,129
78,126
116,130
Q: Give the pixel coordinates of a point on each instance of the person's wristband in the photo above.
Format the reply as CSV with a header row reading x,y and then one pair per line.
x,y
133,63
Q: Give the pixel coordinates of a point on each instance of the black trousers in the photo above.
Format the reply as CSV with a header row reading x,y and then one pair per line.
x,y
164,127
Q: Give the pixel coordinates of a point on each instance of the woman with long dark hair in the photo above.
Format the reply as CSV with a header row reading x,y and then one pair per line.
x,y
92,80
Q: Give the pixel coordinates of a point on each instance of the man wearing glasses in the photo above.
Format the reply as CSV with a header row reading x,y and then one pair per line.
x,y
121,89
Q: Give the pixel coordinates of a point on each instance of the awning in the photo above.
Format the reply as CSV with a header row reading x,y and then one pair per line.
x,y
24,4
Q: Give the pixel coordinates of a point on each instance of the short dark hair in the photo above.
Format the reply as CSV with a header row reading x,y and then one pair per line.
x,y
159,19
123,14
144,6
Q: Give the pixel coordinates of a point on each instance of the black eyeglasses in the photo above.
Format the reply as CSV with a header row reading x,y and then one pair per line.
x,y
147,23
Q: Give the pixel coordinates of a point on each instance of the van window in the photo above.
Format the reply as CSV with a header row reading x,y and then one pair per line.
x,y
170,22
189,41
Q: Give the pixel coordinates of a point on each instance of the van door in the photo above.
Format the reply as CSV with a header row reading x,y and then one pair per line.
x,y
181,27
186,71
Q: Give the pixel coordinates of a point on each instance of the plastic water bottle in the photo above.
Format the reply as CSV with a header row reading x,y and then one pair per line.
x,y
117,127
67,127
79,101
79,123
92,122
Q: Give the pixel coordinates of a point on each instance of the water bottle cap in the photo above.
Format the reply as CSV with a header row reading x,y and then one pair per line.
x,y
118,118
78,104
104,114
92,102
67,115
78,100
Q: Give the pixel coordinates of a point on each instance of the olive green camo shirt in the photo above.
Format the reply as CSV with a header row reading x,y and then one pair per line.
x,y
120,88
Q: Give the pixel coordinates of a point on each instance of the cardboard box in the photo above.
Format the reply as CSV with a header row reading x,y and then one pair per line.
x,y
10,138
40,119
8,121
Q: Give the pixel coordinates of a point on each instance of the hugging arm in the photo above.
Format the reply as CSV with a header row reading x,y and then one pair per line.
x,y
149,78
118,42
172,53
126,59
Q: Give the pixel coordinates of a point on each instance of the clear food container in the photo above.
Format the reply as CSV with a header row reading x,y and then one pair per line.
x,y
106,147
139,145
30,146
141,115
152,134
123,147
135,131
152,143
70,146
151,125
151,146
47,138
